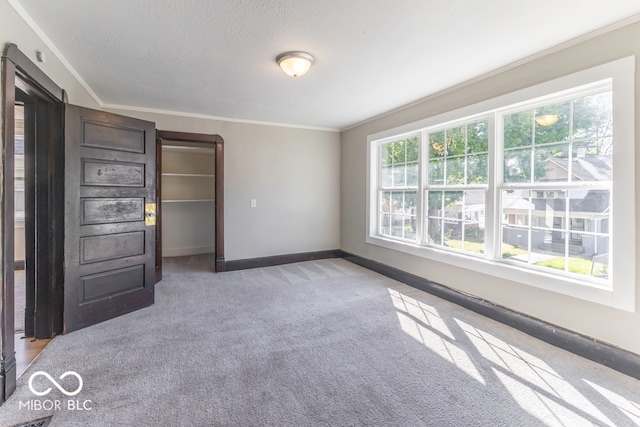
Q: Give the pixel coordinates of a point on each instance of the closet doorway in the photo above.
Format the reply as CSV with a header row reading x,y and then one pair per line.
x,y
191,203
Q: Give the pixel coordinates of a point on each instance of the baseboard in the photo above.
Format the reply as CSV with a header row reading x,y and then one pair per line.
x,y
8,376
195,250
589,348
243,264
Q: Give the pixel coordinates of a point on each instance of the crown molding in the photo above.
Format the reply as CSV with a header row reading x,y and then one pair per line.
x,y
211,117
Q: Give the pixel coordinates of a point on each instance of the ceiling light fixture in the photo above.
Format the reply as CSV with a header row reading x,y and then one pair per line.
x,y
547,120
295,63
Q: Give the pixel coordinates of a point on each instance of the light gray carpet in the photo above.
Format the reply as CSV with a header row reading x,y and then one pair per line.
x,y
20,300
322,343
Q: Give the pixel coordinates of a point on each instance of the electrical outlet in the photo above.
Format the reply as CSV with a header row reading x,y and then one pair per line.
x,y
253,203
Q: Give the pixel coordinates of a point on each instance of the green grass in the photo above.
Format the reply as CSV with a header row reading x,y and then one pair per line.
x,y
478,247
510,250
576,265
469,245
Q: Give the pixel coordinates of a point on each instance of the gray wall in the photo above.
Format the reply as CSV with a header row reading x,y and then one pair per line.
x,y
294,175
598,321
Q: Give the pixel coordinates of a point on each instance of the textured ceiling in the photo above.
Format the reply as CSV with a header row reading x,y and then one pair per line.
x,y
218,57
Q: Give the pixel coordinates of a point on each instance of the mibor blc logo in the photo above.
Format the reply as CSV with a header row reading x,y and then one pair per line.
x,y
40,389
55,383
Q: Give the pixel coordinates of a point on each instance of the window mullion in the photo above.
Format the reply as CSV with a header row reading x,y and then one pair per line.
x,y
422,173
492,208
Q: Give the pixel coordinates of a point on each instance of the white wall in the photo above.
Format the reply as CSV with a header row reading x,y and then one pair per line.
x,y
610,325
294,175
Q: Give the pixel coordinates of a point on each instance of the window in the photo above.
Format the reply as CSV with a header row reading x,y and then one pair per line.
x,y
398,188
522,186
557,170
456,185
19,201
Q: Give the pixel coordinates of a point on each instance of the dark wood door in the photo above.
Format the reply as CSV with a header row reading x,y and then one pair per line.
x,y
110,241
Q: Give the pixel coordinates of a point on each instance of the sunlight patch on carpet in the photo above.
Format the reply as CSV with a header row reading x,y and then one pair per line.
x,y
422,323
536,387
626,406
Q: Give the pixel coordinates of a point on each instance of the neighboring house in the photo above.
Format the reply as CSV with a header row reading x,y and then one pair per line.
x,y
589,209
544,211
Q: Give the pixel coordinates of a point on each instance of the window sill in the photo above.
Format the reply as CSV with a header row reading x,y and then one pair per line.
x,y
584,290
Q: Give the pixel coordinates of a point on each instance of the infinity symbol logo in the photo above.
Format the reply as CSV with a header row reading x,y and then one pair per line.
x,y
55,383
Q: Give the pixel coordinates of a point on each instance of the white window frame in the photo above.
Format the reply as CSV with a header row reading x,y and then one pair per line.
x,y
619,292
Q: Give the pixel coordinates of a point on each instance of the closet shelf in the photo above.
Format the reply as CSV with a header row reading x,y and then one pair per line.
x,y
183,148
193,175
188,201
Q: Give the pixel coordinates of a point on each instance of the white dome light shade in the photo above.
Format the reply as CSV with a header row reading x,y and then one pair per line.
x,y
295,63
547,120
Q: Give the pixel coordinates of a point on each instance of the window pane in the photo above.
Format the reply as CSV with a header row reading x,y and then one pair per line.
x,y
517,129
397,226
590,203
399,163
385,224
435,212
589,211
516,205
477,169
434,202
399,173
435,231
550,209
463,225
474,207
452,234
386,154
455,170
455,141
385,201
551,163
436,172
597,266
515,244
517,165
386,180
478,137
600,147
399,154
397,202
436,145
452,204
410,215
474,221
592,116
410,202
473,240
552,123
19,204
592,160
401,221
412,175
412,149
553,240
600,259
